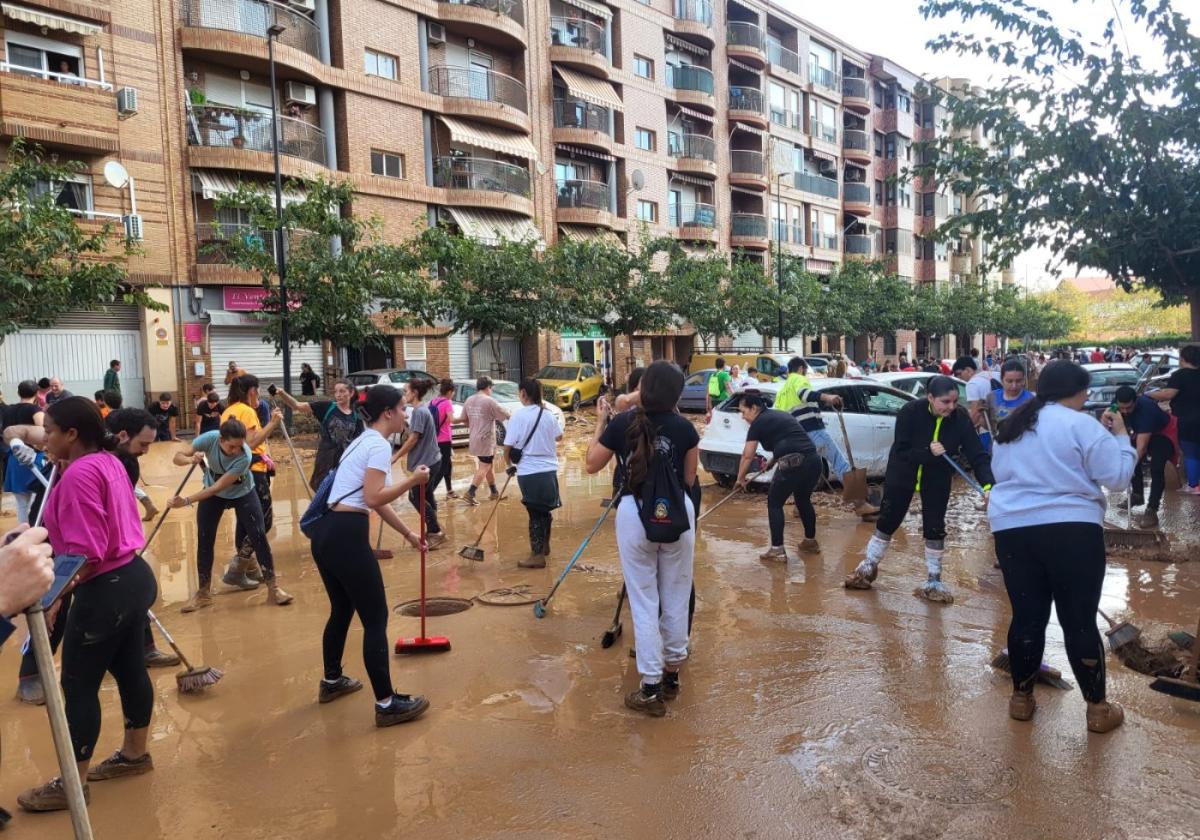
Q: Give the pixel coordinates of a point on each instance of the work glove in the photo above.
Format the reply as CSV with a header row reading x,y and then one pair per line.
x,y
23,452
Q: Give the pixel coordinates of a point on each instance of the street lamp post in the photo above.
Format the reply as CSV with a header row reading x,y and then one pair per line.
x,y
779,339
273,32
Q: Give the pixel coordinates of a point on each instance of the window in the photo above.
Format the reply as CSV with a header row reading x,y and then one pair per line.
x,y
878,145
879,193
906,197
643,67
891,195
880,94
889,147
884,402
43,57
889,344
647,211
75,193
643,138
778,98
903,101
379,64
387,164
414,350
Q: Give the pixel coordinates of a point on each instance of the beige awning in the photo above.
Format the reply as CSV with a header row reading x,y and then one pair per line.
x,y
688,179
211,184
580,152
737,126
591,8
490,227
686,46
39,18
579,233
505,142
739,65
688,112
590,89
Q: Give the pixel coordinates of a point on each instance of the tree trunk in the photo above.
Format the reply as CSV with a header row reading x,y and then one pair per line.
x,y
1194,301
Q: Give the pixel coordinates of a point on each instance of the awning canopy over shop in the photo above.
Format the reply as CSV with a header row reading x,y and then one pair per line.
x,y
505,142
37,17
589,89
211,184
591,8
579,233
491,227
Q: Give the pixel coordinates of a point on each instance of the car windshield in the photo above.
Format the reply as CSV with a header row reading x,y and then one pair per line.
x,y
1108,378
506,391
556,372
360,380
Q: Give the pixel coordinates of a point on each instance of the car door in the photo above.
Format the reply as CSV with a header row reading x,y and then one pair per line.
x,y
589,387
695,387
882,407
860,445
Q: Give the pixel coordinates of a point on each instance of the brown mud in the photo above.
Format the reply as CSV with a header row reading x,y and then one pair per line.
x,y
807,711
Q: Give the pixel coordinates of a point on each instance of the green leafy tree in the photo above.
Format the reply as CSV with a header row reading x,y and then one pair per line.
x,y
884,301
698,290
1090,153
929,311
49,263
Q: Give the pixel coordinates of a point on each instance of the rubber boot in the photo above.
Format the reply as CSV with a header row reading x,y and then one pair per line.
x,y
810,546
863,576
275,595
234,576
202,599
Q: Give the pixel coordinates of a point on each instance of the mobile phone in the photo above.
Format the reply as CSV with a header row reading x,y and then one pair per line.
x,y
66,566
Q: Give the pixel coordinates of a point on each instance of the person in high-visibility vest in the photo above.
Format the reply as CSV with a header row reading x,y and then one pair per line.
x,y
720,387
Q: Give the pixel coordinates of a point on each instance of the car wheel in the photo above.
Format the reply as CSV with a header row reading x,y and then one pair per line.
x,y
575,401
724,480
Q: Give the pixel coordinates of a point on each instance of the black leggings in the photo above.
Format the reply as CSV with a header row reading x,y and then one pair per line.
x,y
241,536
104,633
935,496
447,463
798,483
29,666
342,549
1158,452
250,522
1061,563
430,512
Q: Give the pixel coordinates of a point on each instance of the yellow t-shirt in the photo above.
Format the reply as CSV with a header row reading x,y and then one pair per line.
x,y
248,418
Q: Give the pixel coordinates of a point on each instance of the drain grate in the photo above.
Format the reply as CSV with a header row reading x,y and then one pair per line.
x,y
938,772
435,607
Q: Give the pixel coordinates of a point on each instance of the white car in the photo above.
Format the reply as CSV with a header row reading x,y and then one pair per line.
x,y
869,409
915,382
504,392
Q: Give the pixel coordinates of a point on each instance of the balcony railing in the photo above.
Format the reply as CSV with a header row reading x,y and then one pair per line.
x,y
697,215
855,88
474,83
741,34
575,113
255,17
692,147
465,173
822,131
828,241
228,127
749,225
746,99
700,11
860,243
822,76
690,77
807,182
583,195
509,8
748,162
781,56
855,193
779,230
577,32
211,239
62,78
856,139
787,119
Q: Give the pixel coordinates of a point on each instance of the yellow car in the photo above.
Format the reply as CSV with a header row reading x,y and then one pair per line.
x,y
570,384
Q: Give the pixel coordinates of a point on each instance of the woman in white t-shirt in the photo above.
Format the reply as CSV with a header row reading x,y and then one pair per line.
x,y
341,547
535,432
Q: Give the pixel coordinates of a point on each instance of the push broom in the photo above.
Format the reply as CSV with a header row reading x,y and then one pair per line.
x,y
473,551
422,643
1187,685
733,492
539,607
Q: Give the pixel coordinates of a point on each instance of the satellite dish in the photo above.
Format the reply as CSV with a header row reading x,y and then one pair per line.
x,y
115,174
636,179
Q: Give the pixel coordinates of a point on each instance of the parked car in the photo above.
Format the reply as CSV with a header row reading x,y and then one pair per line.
x,y
570,384
396,377
695,391
1106,379
915,383
822,362
869,410
504,392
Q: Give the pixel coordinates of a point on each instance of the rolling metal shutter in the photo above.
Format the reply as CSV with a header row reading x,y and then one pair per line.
x,y
245,346
460,356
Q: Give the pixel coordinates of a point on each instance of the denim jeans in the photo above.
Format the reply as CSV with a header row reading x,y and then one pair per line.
x,y
830,451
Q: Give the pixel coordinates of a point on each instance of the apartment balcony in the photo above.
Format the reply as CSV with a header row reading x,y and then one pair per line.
x,y
826,246
69,111
817,185
781,58
861,245
226,137
695,18
747,105
748,230
748,168
214,256
746,41
580,43
696,222
856,95
483,95
693,85
821,132
786,119
856,145
484,182
962,264
583,202
825,80
579,123
695,153
500,21
856,198
233,32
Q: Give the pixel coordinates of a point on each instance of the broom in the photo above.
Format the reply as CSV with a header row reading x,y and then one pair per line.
x,y
423,643
1187,685
1046,674
190,680
473,551
734,491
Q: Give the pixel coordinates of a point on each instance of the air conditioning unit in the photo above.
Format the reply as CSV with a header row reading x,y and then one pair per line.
x,y
127,104
300,93
306,5
437,33
133,226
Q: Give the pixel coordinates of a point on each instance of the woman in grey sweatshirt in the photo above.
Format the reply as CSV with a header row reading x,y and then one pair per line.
x,y
1051,463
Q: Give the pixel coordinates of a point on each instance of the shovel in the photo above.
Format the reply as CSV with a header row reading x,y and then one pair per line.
x,y
473,551
854,482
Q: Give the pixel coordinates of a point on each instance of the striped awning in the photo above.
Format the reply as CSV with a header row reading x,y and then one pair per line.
x,y
581,152
755,193
211,184
686,46
739,65
816,154
37,17
580,233
688,179
737,126
589,88
505,142
688,112
490,226
591,8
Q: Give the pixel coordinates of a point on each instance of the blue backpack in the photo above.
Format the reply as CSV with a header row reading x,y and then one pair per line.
x,y
320,504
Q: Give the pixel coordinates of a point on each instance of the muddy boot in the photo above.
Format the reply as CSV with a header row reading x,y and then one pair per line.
x,y
343,685
775,553
810,546
202,599
1148,520
276,596
648,699
863,576
866,509
156,658
51,796
117,765
534,561
936,591
1021,706
670,685
238,579
252,570
1104,717
29,690
400,709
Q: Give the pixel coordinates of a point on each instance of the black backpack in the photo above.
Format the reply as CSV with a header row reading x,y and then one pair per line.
x,y
662,505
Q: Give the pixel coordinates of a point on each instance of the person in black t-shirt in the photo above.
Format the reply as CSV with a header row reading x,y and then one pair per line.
x,y
797,470
1183,391
208,411
167,414
340,424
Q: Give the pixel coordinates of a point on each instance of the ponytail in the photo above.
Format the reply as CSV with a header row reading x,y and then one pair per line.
x,y
1059,380
1023,420
240,387
640,438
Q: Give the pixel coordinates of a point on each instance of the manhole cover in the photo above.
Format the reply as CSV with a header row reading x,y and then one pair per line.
x,y
937,772
434,606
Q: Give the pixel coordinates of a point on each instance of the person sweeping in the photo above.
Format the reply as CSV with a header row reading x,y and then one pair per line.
x,y
340,424
928,431
531,448
341,548
656,448
1052,462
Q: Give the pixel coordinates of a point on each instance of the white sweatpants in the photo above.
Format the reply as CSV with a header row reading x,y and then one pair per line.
x,y
658,576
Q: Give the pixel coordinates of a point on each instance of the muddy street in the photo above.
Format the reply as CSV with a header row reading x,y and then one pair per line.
x,y
807,710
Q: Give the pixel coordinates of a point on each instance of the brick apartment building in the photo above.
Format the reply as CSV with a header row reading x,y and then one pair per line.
x,y
728,125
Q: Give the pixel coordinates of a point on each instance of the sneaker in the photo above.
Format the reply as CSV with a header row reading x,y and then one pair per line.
x,y
117,765
29,690
202,599
156,658
471,500
401,709
495,496
238,579
51,796
435,541
810,546
330,691
776,552
1191,491
1104,717
670,685
450,494
648,700
534,561
1149,519
1021,706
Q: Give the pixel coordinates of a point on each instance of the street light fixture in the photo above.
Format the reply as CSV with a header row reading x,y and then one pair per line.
x,y
273,32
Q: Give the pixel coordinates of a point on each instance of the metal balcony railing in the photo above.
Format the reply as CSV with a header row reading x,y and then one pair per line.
x,y
62,78
474,83
509,8
255,17
781,56
746,99
690,77
807,182
692,147
696,214
829,241
583,195
229,127
466,173
210,239
822,131
788,119
855,88
856,139
575,113
700,11
741,34
855,193
749,225
747,162
860,243
823,76
577,32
